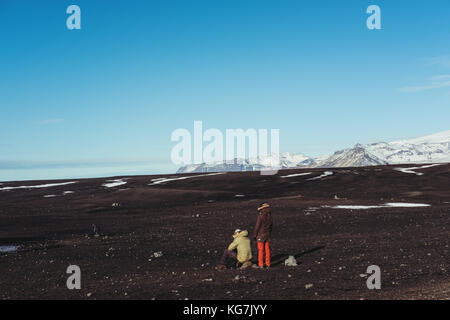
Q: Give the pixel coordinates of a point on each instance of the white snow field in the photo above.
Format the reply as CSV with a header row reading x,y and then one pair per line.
x,y
48,185
163,180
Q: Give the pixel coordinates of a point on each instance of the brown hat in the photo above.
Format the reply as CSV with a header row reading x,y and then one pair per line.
x,y
264,205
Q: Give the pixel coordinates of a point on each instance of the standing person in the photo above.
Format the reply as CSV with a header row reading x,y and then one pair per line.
x,y
263,232
238,252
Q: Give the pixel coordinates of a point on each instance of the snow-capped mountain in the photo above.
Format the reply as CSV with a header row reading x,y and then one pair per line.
x,y
429,149
357,156
433,148
286,160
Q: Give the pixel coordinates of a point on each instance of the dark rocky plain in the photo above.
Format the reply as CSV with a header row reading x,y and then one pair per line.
x,y
190,222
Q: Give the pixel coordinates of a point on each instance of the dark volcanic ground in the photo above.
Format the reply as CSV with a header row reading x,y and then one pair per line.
x,y
191,221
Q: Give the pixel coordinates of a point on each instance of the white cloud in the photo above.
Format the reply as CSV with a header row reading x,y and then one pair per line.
x,y
441,77
436,82
51,121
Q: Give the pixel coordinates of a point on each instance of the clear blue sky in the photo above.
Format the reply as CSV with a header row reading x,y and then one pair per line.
x,y
105,99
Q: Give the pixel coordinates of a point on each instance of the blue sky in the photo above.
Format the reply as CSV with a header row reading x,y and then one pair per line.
x,y
105,99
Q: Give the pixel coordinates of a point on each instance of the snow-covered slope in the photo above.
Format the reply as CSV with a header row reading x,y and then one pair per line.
x,y
433,148
429,149
354,157
441,137
286,160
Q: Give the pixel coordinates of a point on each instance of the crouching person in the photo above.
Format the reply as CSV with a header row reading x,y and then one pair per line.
x,y
238,253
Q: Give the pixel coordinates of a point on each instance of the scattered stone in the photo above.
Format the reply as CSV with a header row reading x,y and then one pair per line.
x,y
309,286
157,254
290,262
95,231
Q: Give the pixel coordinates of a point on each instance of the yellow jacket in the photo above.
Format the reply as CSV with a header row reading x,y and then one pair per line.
x,y
242,243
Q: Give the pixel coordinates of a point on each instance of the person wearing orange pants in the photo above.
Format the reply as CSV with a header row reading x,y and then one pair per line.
x,y
262,233
263,246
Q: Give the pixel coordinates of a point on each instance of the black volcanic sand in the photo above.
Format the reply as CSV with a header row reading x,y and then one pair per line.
x,y
190,221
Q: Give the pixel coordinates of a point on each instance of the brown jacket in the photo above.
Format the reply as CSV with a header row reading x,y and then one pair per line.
x,y
263,227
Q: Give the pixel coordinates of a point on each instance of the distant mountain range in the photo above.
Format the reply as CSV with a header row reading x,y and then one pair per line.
x,y
429,149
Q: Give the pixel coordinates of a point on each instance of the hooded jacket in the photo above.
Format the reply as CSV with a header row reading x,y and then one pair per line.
x,y
242,244
263,227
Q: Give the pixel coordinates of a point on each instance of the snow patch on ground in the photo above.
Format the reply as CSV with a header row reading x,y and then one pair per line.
x,y
296,175
114,183
68,192
50,196
406,205
163,180
6,249
411,169
353,207
386,205
48,185
325,174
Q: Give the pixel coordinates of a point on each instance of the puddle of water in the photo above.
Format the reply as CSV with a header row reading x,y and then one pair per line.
x,y
6,249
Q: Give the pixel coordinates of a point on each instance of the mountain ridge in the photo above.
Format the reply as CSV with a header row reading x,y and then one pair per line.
x,y
433,148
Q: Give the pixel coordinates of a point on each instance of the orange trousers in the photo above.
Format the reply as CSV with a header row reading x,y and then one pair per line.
x,y
261,247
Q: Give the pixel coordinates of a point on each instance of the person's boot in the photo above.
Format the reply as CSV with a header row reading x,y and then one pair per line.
x,y
246,265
